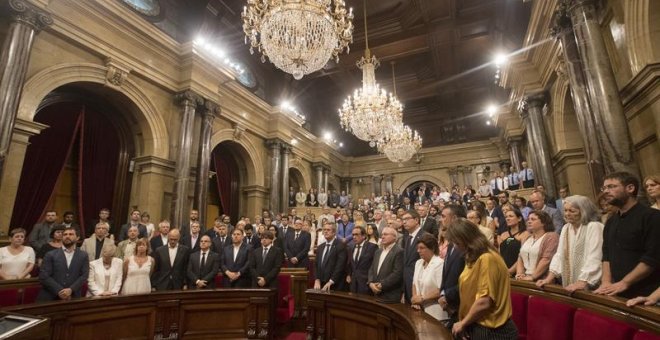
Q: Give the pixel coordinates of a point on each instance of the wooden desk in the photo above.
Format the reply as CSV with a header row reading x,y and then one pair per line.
x,y
210,314
340,315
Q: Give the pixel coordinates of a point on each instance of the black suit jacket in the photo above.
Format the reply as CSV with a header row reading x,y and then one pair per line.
x,y
431,226
185,229
241,265
297,248
333,266
410,257
254,242
452,269
268,268
123,233
206,273
165,275
390,275
219,245
156,242
359,271
54,275
186,240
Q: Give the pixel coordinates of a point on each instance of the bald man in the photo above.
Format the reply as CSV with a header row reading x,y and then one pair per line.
x,y
171,262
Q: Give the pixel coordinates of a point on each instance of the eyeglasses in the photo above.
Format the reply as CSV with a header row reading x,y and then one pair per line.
x,y
608,187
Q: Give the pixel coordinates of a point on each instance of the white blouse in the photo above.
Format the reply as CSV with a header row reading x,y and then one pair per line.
x,y
428,281
591,270
14,265
529,253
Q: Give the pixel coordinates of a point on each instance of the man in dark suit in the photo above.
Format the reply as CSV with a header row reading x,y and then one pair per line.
x,y
360,256
386,273
203,266
64,271
68,221
410,255
194,218
296,246
104,216
192,238
161,240
331,261
266,262
453,266
134,221
251,239
236,262
427,223
170,264
41,231
221,239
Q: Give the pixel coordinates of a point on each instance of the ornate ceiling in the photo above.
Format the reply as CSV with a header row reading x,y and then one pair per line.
x,y
441,50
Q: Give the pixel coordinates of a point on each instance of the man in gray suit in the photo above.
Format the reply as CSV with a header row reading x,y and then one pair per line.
x,y
386,273
537,200
40,233
63,271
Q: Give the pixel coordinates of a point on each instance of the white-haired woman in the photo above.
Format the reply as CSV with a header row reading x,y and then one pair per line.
x,y
105,273
578,258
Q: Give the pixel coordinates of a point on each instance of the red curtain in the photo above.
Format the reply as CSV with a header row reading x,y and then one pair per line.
x,y
44,161
97,167
226,170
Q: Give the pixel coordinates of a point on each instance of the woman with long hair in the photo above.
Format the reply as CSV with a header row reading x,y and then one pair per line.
x,y
578,258
372,234
512,239
537,252
138,269
484,287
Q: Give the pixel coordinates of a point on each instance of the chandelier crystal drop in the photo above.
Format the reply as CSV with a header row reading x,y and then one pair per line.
x,y
371,112
402,144
298,36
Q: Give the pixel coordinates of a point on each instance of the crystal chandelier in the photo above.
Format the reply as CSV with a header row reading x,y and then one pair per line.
x,y
298,36
402,144
371,113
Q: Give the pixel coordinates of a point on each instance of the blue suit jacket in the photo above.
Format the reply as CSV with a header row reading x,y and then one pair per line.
x,y
55,276
345,231
241,265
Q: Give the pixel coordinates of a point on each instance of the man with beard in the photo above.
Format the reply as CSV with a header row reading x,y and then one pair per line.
x,y
631,241
41,231
64,271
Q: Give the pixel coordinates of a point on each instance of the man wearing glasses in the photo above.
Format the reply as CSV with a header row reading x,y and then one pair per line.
x,y
631,241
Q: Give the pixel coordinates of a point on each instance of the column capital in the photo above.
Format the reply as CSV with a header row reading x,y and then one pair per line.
x,y
535,100
286,148
514,139
211,108
561,21
274,143
318,166
188,98
572,5
26,13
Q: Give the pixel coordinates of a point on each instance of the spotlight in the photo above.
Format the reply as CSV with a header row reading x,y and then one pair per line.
x,y
492,110
500,59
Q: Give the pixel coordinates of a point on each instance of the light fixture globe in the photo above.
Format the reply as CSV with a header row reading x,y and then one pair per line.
x,y
298,36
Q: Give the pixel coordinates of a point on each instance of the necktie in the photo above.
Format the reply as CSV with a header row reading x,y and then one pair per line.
x,y
423,220
297,234
263,257
222,240
325,252
203,260
526,179
357,255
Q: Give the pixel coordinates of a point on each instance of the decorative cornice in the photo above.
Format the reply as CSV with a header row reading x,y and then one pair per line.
x,y
188,98
116,74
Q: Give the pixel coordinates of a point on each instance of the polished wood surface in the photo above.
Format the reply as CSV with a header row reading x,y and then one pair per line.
x,y
646,318
339,315
212,314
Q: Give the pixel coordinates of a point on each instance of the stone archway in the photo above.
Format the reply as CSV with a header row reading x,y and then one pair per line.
x,y
296,179
421,178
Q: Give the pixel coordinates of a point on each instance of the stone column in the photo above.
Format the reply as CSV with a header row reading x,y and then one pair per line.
x,y
326,172
467,175
388,183
453,177
345,185
563,31
189,102
274,145
26,22
531,112
318,167
210,110
284,204
375,185
610,122
514,151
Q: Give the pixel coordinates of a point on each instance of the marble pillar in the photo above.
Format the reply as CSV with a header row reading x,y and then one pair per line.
x,y
531,112
189,101
319,175
388,183
284,187
210,110
610,122
26,21
453,177
275,146
563,31
326,173
376,182
514,151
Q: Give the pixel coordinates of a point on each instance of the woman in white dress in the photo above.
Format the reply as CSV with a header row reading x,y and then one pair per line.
x,y
105,273
578,258
428,278
16,260
138,269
